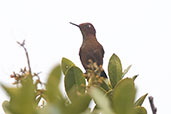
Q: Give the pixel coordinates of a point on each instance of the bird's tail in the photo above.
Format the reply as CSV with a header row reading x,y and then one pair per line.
x,y
103,74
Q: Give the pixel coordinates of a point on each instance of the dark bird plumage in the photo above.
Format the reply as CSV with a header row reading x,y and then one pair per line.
x,y
90,49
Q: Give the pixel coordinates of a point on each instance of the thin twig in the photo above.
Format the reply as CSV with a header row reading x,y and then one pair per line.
x,y
153,108
28,61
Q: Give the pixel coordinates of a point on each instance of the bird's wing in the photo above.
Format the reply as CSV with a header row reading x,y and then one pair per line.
x,y
97,56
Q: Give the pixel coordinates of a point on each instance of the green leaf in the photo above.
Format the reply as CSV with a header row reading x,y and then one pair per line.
x,y
11,91
50,109
79,105
55,100
74,82
53,92
134,77
101,100
5,106
114,70
66,64
109,93
22,100
123,96
140,110
140,101
27,96
126,70
104,85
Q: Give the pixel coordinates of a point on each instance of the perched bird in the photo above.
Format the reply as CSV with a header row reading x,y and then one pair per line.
x,y
90,49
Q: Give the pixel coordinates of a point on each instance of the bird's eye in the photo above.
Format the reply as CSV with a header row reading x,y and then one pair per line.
x,y
89,26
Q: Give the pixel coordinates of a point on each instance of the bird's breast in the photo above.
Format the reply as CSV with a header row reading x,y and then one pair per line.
x,y
91,50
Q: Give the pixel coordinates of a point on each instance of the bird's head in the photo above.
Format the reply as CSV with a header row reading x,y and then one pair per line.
x,y
86,29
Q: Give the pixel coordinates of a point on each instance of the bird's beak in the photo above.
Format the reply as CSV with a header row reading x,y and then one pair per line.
x,y
74,24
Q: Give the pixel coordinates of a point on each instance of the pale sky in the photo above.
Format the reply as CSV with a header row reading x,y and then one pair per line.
x,y
139,32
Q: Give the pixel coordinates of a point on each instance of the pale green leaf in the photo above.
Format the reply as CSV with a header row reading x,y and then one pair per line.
x,y
114,70
79,105
140,101
22,98
74,82
126,70
52,85
134,77
140,110
5,106
66,64
101,100
123,96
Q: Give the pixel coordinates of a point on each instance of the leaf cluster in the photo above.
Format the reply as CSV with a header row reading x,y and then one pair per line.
x,y
115,95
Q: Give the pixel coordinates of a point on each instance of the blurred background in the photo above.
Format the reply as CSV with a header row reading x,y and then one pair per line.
x,y
139,32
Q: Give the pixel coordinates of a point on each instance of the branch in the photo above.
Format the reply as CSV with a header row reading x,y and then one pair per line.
x,y
28,61
153,108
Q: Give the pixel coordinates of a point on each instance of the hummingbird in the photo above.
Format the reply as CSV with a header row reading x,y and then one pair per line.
x,y
90,49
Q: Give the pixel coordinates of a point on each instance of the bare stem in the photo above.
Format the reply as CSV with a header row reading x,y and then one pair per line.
x,y
28,61
153,108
